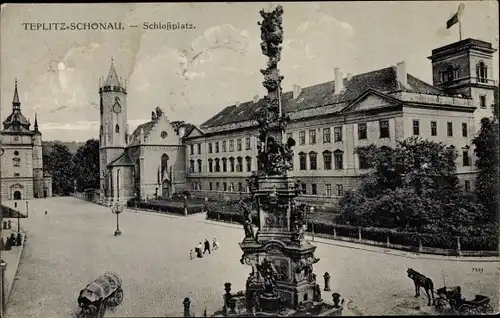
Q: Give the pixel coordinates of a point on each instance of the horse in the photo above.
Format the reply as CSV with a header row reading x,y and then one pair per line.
x,y
422,281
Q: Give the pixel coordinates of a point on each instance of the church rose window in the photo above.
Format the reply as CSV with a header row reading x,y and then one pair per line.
x,y
163,134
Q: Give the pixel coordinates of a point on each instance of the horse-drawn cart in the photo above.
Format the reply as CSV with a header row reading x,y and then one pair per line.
x,y
106,291
451,298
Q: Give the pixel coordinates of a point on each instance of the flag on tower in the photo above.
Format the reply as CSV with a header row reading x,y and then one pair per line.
x,y
456,17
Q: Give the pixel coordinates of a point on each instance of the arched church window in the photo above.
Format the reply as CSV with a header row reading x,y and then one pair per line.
x,y
101,107
117,129
481,72
164,163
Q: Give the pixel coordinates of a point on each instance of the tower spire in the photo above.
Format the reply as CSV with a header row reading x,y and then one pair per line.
x,y
112,79
36,122
16,105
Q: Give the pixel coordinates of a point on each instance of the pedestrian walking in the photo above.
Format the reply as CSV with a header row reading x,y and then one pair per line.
x,y
207,246
45,212
215,244
191,254
198,248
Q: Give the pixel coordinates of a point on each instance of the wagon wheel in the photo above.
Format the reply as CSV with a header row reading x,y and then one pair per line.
x,y
467,310
117,298
439,304
487,309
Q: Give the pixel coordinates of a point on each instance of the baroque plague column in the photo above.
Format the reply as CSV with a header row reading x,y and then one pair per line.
x,y
281,260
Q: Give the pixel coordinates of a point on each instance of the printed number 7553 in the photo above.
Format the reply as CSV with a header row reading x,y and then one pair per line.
x,y
477,270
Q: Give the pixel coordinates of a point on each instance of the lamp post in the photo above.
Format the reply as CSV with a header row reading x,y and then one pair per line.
x,y
311,209
3,266
117,209
27,209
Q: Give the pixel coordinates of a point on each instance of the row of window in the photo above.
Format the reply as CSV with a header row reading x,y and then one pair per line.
x,y
224,144
363,132
214,165
453,72
339,189
229,187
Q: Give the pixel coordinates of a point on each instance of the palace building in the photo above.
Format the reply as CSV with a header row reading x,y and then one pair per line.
x,y
23,176
328,121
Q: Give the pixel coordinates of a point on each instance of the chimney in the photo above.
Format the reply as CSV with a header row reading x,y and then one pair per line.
x,y
349,76
296,91
237,103
339,81
256,99
401,74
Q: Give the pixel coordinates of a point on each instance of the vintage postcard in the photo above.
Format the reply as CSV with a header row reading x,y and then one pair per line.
x,y
249,159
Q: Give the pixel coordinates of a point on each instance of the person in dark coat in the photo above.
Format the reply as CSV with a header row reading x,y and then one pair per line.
x,y
207,246
198,250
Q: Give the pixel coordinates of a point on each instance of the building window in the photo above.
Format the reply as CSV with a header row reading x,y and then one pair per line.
x,y
327,160
249,163
238,144
191,165
302,161
450,129
288,136
363,162
464,130
240,187
384,128
239,164
16,153
231,187
326,135
199,149
482,101
210,150
304,188
217,165
328,190
224,186
247,143
231,145
433,128
312,136
449,73
482,72
224,165
467,185
339,159
314,189
191,149
16,138
16,174
117,129
465,158
340,190
312,160
231,163
17,162
302,137
362,131
210,165
216,146
337,132
224,146
210,185
199,165
416,127
217,186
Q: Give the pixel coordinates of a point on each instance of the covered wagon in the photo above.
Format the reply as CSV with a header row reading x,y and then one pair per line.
x,y
106,291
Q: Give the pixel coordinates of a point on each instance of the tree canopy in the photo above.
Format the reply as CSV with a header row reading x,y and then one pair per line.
x,y
86,165
58,161
412,187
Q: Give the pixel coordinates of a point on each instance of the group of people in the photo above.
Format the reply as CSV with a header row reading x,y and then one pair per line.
x,y
205,247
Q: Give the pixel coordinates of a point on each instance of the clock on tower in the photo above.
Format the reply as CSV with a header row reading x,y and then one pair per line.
x,y
116,107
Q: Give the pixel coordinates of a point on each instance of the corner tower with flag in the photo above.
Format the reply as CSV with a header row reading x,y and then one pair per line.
x,y
465,69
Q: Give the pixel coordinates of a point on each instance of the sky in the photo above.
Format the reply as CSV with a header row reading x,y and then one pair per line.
x,y
193,74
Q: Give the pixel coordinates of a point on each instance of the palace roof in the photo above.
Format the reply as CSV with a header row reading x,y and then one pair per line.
x,y
383,80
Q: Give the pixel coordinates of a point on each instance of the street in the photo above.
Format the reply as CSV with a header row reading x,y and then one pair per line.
x,y
74,244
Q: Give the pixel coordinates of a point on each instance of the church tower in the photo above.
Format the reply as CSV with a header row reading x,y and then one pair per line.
x,y
113,123
466,68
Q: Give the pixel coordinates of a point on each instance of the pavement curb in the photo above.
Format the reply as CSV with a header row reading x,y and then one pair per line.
x,y
18,260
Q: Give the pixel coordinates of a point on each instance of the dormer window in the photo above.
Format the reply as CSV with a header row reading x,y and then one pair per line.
x,y
482,72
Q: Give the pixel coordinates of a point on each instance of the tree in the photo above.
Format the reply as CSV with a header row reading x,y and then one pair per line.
x,y
411,187
58,161
486,149
86,163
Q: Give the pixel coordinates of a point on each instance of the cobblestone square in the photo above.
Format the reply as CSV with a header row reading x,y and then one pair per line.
x,y
74,244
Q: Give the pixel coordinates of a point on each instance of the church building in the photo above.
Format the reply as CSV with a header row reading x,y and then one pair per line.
x,y
22,176
148,163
